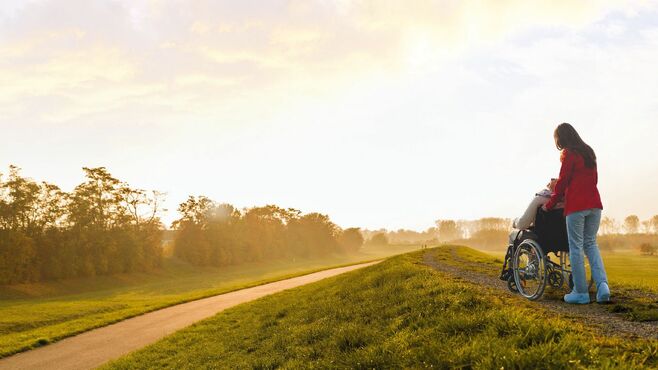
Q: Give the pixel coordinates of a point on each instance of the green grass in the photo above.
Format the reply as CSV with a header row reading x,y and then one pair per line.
x,y
397,314
32,315
632,270
469,259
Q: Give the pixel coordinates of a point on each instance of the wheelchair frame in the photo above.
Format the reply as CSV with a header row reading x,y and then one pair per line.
x,y
538,267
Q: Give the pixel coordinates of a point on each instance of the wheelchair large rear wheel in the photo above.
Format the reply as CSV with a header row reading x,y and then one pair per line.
x,y
530,273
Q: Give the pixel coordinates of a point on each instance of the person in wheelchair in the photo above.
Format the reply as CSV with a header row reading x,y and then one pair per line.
x,y
535,234
527,220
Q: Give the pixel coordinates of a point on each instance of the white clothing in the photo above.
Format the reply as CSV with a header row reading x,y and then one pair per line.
x,y
528,217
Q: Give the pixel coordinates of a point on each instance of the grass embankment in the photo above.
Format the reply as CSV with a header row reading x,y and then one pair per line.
x,y
396,314
32,315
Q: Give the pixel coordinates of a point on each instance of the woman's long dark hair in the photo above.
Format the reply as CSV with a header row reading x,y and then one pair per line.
x,y
566,137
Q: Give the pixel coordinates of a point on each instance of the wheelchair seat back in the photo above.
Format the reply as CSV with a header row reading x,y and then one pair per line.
x,y
551,230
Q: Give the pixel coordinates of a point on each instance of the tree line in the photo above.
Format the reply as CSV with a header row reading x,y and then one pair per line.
x,y
630,225
218,234
492,233
102,227
631,233
485,232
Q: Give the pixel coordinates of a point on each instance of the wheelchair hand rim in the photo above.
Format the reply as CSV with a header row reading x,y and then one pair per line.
x,y
531,277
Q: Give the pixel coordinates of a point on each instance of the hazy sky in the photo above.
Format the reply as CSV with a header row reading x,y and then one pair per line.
x,y
379,113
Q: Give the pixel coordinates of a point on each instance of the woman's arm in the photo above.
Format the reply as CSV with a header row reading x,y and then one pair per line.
x,y
566,172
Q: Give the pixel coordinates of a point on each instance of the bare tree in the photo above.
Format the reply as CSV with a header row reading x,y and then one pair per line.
x,y
632,224
646,227
654,224
608,226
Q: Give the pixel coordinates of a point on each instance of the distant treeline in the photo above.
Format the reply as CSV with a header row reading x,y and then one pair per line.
x,y
630,234
485,233
210,233
630,225
492,233
102,227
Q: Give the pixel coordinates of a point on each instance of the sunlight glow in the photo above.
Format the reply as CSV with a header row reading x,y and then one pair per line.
x,y
380,114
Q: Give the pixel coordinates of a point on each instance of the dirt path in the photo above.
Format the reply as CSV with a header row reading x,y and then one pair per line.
x,y
95,347
591,314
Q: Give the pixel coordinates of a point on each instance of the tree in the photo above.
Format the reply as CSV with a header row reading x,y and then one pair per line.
x,y
318,233
264,232
102,227
368,234
468,227
194,210
493,223
215,234
17,258
608,225
192,245
654,224
142,206
449,230
351,239
191,242
632,224
96,203
646,227
379,239
223,236
21,197
51,206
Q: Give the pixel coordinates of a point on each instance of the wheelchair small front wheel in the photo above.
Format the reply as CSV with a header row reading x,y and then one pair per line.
x,y
511,284
555,279
530,273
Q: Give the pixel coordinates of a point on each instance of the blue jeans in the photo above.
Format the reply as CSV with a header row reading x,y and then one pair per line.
x,y
582,228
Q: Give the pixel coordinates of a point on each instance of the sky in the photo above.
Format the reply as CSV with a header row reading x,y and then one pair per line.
x,y
378,113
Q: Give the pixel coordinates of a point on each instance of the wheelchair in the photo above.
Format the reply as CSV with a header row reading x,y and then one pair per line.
x,y
528,268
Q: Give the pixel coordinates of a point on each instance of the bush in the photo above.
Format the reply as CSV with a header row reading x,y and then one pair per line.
x,y
648,249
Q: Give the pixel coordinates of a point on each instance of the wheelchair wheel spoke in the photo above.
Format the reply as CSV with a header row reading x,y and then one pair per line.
x,y
530,272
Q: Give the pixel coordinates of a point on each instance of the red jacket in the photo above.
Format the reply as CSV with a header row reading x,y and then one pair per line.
x,y
577,184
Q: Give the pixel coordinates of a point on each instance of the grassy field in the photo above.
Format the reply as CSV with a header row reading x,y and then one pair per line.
x,y
397,314
36,314
632,270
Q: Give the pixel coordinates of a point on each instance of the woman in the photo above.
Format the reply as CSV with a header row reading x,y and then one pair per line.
x,y
582,208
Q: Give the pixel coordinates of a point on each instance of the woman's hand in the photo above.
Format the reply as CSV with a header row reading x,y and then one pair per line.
x,y
543,207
